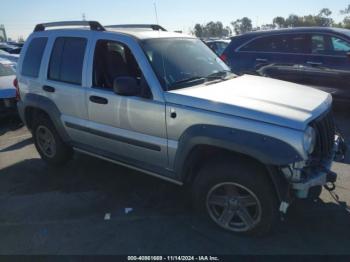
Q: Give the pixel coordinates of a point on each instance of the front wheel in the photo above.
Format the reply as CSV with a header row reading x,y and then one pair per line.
x,y
237,196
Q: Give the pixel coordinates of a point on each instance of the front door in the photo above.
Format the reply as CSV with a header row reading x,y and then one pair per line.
x,y
328,65
130,129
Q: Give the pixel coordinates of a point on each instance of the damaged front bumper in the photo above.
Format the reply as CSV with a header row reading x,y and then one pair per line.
x,y
319,175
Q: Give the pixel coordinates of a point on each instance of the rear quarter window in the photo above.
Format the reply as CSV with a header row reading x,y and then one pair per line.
x,y
33,56
67,58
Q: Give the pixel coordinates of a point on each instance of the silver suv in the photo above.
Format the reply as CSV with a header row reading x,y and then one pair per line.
x,y
164,104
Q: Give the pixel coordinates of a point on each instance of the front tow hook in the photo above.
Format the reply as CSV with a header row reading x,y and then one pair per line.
x,y
331,179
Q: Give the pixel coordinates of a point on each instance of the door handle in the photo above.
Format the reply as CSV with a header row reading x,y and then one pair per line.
x,y
99,100
262,60
49,89
314,63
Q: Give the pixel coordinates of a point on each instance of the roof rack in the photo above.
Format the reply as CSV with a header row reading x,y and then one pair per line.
x,y
141,26
95,26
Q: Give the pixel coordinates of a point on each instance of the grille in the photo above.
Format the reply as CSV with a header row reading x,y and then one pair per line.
x,y
325,133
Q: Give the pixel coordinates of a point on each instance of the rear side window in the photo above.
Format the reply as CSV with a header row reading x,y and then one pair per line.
x,y
67,58
291,43
318,44
267,44
32,59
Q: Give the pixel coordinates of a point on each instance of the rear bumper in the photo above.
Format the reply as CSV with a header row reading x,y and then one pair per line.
x,y
8,106
320,176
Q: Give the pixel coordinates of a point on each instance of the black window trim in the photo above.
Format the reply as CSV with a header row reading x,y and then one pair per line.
x,y
291,33
51,52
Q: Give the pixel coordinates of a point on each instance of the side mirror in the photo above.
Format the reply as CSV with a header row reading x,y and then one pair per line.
x,y
126,86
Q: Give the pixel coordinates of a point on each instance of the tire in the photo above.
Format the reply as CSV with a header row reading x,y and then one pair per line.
x,y
225,190
43,131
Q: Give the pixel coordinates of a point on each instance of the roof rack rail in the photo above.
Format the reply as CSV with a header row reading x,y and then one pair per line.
x,y
95,26
141,26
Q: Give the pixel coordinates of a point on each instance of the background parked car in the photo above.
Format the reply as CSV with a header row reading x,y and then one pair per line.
x,y
7,89
12,49
8,56
218,46
319,57
17,44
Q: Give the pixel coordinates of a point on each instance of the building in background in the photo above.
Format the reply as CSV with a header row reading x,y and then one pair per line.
x,y
3,37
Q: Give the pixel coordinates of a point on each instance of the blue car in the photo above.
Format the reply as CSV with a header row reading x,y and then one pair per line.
x,y
318,57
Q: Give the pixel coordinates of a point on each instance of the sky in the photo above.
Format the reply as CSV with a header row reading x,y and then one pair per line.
x,y
20,16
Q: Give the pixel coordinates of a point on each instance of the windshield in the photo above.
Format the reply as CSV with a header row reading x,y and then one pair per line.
x,y
6,70
182,60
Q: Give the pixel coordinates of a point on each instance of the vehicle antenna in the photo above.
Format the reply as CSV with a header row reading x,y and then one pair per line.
x,y
156,12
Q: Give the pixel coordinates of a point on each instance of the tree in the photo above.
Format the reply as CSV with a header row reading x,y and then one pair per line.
x,y
241,26
198,30
228,31
325,12
212,29
293,21
323,19
345,11
268,27
279,22
346,21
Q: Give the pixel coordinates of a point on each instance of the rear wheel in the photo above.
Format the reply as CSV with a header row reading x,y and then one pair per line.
x,y
236,195
49,144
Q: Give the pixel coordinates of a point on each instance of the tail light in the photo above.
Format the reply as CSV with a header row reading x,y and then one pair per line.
x,y
224,58
15,84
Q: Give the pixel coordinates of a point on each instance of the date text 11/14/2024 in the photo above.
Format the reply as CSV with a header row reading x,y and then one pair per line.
x,y
173,258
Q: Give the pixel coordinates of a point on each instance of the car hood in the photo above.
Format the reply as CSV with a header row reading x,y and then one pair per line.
x,y
7,90
259,98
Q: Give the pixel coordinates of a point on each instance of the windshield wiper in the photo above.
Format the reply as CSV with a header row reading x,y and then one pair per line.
x,y
186,81
219,75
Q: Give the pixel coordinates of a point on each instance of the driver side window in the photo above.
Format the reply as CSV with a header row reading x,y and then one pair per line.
x,y
112,60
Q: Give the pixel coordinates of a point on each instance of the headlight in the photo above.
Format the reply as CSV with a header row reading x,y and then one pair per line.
x,y
309,140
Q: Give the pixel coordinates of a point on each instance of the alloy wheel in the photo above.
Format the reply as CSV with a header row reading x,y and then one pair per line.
x,y
234,207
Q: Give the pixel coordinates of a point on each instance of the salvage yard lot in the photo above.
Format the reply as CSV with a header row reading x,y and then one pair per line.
x,y
47,210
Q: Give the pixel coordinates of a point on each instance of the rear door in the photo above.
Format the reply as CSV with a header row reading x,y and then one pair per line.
x,y
64,83
278,56
328,64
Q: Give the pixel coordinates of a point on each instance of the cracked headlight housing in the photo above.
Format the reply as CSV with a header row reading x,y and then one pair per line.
x,y
309,140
